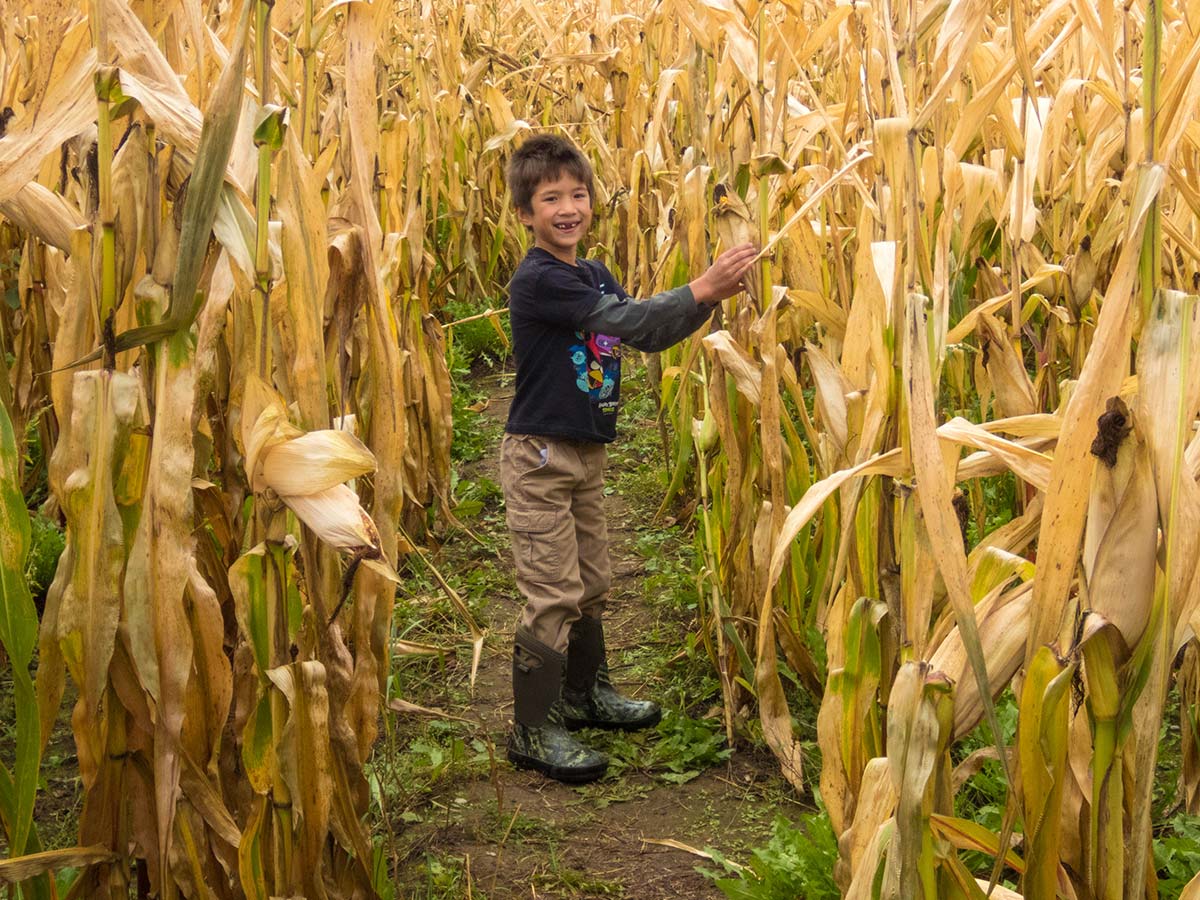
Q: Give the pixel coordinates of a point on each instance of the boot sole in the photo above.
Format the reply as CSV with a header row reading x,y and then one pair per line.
x,y
573,775
635,725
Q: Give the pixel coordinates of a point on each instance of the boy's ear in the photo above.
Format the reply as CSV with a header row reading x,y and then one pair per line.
x,y
525,217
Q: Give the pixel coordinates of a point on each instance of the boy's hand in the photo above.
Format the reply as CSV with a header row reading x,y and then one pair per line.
x,y
724,277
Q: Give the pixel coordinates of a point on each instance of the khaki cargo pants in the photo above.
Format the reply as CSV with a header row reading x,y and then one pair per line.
x,y
554,495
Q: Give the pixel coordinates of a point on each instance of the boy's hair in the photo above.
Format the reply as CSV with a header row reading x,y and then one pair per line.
x,y
544,157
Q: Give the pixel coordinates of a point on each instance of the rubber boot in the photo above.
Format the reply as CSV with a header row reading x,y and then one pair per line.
x,y
589,699
539,739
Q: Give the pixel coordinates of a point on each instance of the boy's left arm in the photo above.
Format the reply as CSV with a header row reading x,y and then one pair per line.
x,y
651,325
674,330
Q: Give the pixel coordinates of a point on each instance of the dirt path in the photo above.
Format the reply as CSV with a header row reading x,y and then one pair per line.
x,y
493,831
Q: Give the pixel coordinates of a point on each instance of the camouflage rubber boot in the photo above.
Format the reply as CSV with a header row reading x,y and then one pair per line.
x,y
539,739
589,699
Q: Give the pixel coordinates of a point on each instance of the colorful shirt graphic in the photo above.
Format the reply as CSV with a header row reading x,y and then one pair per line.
x,y
568,376
597,361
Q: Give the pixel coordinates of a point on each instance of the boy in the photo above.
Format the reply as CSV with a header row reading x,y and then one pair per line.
x,y
569,318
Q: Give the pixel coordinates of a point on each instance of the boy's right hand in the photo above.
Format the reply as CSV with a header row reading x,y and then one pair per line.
x,y
724,277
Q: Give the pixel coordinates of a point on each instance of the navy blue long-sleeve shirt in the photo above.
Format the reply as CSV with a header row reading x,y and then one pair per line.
x,y
568,324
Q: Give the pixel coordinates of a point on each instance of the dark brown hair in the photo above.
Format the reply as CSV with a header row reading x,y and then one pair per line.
x,y
544,157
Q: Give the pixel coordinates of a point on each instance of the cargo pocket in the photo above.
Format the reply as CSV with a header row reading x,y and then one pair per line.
x,y
537,553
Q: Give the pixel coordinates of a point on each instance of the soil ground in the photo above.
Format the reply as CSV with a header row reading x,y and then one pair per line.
x,y
489,830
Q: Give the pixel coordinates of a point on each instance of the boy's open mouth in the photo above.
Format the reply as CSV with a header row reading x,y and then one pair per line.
x,y
565,226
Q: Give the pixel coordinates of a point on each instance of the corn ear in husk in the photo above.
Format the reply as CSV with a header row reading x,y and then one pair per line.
x,y
307,471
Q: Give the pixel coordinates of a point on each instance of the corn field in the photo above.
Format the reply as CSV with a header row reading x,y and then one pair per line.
x,y
229,230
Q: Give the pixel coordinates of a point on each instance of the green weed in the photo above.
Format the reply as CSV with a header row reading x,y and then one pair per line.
x,y
1170,759
448,877
1177,838
1177,855
504,827
797,862
475,496
412,767
676,751
46,546
470,345
477,341
993,502
981,799
687,747
474,433
36,486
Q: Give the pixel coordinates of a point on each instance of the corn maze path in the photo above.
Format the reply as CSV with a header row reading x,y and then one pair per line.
x,y
550,840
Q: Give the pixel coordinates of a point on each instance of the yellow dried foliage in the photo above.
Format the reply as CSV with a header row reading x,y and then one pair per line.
x,y
979,240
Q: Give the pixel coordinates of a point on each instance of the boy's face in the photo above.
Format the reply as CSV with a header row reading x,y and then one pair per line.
x,y
561,214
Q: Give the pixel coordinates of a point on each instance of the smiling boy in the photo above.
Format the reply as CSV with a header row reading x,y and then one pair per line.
x,y
570,318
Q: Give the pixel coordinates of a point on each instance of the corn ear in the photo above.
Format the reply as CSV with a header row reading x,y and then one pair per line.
x,y
336,517
307,471
850,707
1003,626
313,462
918,716
1100,645
1121,540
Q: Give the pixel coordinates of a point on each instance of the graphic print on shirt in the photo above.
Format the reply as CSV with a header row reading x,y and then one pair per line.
x,y
597,361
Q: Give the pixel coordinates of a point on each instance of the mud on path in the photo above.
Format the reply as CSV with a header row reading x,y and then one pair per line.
x,y
482,828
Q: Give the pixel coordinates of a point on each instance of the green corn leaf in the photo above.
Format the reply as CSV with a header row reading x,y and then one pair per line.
x,y
39,886
248,581
271,127
18,634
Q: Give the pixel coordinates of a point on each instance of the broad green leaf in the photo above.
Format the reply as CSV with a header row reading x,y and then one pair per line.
x,y
18,633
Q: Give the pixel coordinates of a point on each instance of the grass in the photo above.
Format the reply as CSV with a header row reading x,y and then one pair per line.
x,y
565,881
